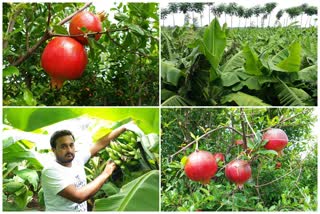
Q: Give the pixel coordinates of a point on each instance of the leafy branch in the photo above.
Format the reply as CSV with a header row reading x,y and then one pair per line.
x,y
47,35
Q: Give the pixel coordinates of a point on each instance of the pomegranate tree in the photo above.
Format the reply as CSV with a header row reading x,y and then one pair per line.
x,y
85,22
63,59
238,171
219,157
277,140
201,166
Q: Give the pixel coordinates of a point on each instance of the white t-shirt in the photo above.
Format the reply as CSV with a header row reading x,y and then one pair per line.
x,y
56,177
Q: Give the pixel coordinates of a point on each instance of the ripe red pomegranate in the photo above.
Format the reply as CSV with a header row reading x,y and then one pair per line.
x,y
238,171
86,22
277,140
201,166
219,157
239,142
63,59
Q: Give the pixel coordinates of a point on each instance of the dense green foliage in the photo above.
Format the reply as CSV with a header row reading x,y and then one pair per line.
x,y
292,187
26,150
122,67
245,66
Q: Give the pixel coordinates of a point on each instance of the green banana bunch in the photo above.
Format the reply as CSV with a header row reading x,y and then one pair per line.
x,y
124,150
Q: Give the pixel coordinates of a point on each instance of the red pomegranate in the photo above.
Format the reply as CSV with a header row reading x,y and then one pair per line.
x,y
201,166
63,59
278,165
85,22
277,140
219,157
239,142
238,171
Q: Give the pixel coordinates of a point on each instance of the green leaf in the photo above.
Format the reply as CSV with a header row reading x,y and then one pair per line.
x,y
176,101
136,28
28,98
110,188
267,152
170,74
13,187
214,39
30,119
141,194
184,160
235,62
253,64
291,96
308,74
17,153
10,71
242,99
166,94
229,78
293,61
29,175
60,30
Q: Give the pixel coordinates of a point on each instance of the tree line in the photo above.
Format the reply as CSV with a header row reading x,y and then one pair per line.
x,y
260,12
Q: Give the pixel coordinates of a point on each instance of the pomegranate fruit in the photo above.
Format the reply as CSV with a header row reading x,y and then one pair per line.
x,y
219,157
86,22
238,171
278,165
277,140
201,166
63,59
239,142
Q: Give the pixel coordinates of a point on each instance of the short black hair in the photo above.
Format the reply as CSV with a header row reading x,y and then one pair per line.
x,y
57,135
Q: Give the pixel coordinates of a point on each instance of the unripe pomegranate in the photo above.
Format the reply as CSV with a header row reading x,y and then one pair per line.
x,y
201,166
63,59
238,171
219,157
87,22
277,140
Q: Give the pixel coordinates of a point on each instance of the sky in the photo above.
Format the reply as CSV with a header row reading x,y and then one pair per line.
x,y
282,4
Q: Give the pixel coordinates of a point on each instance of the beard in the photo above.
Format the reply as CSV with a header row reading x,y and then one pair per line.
x,y
68,158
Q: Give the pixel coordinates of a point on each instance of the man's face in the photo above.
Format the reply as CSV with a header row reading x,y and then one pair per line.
x,y
64,150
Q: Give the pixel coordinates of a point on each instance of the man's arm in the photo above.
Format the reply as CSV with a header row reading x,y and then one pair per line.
x,y
84,193
105,140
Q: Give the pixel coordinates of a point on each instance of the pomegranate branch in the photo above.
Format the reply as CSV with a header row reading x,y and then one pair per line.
x,y
202,136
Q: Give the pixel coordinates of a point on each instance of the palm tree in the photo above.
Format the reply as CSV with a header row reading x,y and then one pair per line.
x,y
279,15
231,10
269,7
303,9
257,11
311,11
184,8
216,12
173,8
164,13
221,8
209,5
248,13
240,13
198,8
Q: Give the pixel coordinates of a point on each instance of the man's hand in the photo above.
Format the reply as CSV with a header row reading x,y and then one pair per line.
x,y
110,167
82,194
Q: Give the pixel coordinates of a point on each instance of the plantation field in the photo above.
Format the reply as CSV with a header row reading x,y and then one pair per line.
x,y
220,66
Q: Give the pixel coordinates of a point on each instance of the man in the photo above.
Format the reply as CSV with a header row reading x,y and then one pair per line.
x,y
64,180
